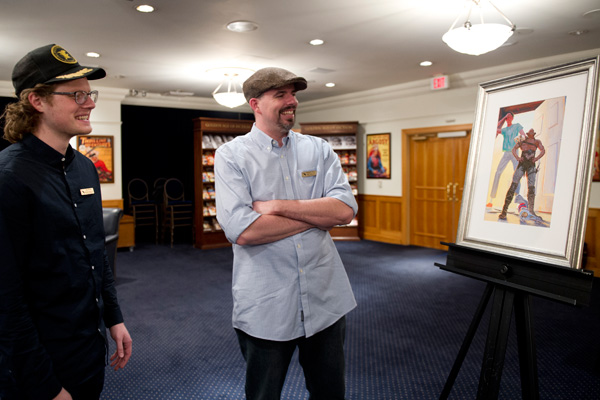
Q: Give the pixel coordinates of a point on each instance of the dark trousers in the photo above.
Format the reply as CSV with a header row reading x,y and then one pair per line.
x,y
321,357
88,390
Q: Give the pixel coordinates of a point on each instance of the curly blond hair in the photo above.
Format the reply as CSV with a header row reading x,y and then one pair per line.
x,y
21,117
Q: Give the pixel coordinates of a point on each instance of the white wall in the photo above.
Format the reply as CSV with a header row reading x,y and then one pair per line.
x,y
414,105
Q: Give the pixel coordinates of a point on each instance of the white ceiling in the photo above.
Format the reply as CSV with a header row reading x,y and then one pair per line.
x,y
368,43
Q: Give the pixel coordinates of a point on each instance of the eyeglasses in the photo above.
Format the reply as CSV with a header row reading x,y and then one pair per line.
x,y
80,96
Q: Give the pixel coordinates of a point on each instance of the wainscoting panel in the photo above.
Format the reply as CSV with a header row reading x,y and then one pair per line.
x,y
381,221
381,218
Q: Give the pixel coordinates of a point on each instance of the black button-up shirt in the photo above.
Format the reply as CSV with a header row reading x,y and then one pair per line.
x,y
57,292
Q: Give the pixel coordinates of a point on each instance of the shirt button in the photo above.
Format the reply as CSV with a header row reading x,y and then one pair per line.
x,y
96,299
62,159
93,267
75,205
301,271
287,178
298,245
84,237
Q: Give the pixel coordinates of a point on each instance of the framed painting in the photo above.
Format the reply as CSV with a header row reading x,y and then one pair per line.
x,y
99,149
379,156
530,164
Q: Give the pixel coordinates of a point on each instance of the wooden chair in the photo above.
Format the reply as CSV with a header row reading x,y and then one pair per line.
x,y
177,211
144,209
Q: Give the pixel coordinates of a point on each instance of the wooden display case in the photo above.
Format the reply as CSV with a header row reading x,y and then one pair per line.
x,y
342,137
209,133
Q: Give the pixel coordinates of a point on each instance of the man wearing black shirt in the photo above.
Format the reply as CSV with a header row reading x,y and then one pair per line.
x,y
57,292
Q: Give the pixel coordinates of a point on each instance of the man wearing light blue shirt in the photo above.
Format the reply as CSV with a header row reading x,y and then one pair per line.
x,y
278,195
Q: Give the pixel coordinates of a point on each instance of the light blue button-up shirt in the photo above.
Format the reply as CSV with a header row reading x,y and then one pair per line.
x,y
296,286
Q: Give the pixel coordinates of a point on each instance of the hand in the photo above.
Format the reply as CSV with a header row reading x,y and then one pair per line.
x,y
264,207
63,395
124,346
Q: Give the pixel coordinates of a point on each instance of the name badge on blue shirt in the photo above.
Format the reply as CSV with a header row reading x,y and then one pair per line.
x,y
306,174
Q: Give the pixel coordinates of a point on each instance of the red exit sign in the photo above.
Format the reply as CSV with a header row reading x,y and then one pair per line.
x,y
440,82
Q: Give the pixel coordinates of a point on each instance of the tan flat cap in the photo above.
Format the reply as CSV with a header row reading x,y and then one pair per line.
x,y
271,78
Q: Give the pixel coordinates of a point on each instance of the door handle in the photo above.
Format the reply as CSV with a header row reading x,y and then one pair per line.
x,y
454,192
448,197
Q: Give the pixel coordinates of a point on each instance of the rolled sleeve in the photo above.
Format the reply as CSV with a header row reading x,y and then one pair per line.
x,y
234,201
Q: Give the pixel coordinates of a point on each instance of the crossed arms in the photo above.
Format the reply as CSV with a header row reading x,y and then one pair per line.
x,y
282,218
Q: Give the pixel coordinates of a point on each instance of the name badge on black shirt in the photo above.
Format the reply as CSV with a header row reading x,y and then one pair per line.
x,y
86,191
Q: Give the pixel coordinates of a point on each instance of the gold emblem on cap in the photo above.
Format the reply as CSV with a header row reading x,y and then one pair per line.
x,y
62,55
79,73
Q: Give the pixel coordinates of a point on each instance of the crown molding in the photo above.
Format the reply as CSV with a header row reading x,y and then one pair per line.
x,y
457,81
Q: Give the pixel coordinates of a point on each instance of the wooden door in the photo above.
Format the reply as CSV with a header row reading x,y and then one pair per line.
x,y
434,183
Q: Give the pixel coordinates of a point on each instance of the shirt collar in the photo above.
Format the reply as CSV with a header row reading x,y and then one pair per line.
x,y
47,154
265,141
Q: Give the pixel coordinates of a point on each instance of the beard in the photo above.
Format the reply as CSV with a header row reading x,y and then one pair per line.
x,y
284,124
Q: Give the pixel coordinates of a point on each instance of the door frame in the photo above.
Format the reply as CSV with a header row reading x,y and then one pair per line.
x,y
407,135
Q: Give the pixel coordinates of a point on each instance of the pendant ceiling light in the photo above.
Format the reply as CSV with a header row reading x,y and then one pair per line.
x,y
229,93
479,38
234,96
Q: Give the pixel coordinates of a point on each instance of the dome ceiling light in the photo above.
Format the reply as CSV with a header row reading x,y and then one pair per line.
x,y
478,38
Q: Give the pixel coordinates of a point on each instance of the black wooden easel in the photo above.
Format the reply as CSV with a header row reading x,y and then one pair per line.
x,y
511,281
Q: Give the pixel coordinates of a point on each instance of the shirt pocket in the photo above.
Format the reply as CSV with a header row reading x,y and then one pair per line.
x,y
308,183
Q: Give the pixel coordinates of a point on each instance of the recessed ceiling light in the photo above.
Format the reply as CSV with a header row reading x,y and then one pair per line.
x,y
330,84
578,32
145,8
242,26
316,42
426,64
92,54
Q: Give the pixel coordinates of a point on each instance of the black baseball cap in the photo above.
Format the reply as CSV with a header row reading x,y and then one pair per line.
x,y
50,64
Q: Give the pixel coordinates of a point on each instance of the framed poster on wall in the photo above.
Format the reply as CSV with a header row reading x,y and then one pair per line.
x,y
99,149
378,156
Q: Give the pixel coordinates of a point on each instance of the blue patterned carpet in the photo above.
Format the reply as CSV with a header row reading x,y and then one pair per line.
x,y
401,340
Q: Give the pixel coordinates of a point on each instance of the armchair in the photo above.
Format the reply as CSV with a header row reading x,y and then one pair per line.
x,y
111,217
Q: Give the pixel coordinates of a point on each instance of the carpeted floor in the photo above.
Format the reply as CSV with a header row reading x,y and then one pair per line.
x,y
402,339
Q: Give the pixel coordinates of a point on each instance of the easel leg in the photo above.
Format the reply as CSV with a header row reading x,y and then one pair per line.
x,y
526,345
495,347
467,341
